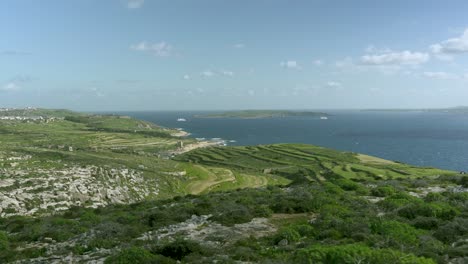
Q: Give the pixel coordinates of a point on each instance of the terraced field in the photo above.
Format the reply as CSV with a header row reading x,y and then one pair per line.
x,y
71,159
206,178
297,162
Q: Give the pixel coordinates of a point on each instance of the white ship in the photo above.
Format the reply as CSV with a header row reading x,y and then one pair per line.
x,y
181,119
323,118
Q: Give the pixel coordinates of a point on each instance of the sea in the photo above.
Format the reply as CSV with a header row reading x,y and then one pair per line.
x,y
430,139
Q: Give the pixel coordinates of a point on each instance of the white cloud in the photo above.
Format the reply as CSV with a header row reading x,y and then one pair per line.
x,y
207,74
227,73
161,49
186,77
239,46
290,65
14,53
452,46
11,87
439,75
133,4
318,62
333,84
346,62
395,58
97,92
373,49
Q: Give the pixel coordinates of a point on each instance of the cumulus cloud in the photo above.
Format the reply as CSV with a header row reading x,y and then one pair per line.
x,y
161,49
11,87
346,62
318,62
186,77
374,49
395,58
97,92
239,45
227,73
207,73
452,45
134,4
333,84
290,65
439,75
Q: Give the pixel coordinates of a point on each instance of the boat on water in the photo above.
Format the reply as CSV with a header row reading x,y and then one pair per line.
x,y
323,118
181,120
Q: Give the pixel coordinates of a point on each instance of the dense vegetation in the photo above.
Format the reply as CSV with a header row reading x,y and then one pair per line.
x,y
332,222
285,203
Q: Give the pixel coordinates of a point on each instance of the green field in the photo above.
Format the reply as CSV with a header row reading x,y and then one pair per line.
x,y
316,163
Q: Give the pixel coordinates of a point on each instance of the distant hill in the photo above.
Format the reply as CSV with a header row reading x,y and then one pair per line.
x,y
457,109
30,112
252,114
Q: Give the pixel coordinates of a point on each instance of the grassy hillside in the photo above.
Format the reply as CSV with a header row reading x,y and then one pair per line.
x,y
91,188
54,163
316,163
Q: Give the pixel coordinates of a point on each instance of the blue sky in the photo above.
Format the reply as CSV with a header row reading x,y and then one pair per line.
x,y
243,54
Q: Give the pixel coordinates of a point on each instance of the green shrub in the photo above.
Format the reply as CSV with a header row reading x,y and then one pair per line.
x,y
383,191
4,243
346,184
423,222
287,233
304,230
397,233
332,189
179,249
237,214
453,230
436,209
433,197
245,254
136,255
397,200
356,253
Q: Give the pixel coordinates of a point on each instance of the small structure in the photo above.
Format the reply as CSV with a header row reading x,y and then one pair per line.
x,y
180,144
462,172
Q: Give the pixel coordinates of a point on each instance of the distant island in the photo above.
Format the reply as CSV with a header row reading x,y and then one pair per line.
x,y
257,114
457,109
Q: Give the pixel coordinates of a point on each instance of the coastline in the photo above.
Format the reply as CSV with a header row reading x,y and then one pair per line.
x,y
215,142
197,145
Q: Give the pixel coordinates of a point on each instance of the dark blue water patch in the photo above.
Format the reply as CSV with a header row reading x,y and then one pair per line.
x,y
419,138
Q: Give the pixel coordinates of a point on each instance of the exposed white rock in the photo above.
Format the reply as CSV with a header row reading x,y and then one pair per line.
x,y
31,190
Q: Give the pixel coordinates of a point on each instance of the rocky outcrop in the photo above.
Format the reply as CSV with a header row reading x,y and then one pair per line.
x,y
36,190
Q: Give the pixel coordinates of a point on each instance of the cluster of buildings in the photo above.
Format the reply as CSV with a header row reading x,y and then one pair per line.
x,y
3,109
21,118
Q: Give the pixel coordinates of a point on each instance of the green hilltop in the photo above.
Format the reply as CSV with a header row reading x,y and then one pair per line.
x,y
84,188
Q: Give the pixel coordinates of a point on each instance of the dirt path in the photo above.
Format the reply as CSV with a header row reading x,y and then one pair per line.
x,y
212,180
189,147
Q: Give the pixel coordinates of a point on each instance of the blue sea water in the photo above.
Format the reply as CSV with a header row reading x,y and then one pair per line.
x,y
418,138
